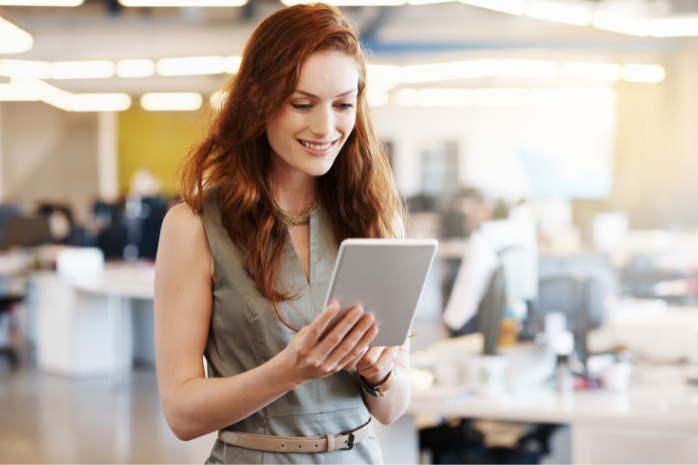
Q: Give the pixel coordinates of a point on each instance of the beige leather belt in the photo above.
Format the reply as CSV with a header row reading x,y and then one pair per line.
x,y
327,443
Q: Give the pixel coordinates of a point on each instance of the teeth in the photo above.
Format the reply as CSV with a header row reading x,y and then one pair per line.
x,y
316,147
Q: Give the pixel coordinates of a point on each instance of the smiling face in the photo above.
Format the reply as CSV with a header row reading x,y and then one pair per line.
x,y
316,120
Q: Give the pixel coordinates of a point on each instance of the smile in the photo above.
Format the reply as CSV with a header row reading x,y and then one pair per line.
x,y
318,147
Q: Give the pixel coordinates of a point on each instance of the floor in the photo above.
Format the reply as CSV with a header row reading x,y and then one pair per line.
x,y
50,419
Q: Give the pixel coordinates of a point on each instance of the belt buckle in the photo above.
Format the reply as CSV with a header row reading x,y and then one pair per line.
x,y
349,441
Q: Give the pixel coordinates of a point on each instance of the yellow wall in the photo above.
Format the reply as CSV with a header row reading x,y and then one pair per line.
x,y
157,141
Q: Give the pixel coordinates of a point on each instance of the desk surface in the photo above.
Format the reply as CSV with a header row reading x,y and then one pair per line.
x,y
132,280
671,404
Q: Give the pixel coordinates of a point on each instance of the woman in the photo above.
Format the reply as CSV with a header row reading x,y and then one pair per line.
x,y
291,167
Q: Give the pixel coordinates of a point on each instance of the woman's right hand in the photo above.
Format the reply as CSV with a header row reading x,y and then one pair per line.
x,y
307,357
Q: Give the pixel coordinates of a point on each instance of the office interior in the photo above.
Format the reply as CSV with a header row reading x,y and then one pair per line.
x,y
549,145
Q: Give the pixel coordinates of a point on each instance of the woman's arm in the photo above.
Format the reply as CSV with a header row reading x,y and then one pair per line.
x,y
375,366
194,405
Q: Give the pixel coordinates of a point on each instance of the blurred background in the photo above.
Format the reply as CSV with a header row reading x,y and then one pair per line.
x,y
549,145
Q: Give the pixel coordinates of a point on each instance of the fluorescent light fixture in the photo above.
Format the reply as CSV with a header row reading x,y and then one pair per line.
x,y
383,77
82,69
505,97
41,2
176,3
577,13
25,68
18,93
350,2
528,68
513,7
14,39
631,25
501,97
435,97
192,66
428,2
674,27
473,69
232,64
427,73
135,68
643,73
100,102
377,97
591,71
172,101
36,89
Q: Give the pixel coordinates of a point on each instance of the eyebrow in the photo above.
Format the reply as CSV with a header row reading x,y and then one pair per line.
x,y
343,94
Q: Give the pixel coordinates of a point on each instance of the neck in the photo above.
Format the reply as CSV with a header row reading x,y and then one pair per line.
x,y
293,190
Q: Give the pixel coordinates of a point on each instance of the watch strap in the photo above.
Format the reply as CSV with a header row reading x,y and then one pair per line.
x,y
378,391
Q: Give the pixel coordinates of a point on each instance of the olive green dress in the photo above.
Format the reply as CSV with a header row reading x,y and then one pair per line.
x,y
245,333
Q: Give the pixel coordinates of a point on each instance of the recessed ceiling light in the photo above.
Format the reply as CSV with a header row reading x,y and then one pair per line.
x,y
82,69
172,101
135,68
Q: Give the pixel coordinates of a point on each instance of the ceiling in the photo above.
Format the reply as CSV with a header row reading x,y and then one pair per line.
x,y
403,35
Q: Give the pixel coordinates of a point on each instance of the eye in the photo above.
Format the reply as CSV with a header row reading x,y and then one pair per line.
x,y
301,106
345,106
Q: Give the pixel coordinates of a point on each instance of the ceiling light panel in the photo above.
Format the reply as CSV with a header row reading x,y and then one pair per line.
x,y
591,71
674,27
135,68
513,7
428,2
100,102
505,97
631,25
528,68
350,2
82,69
192,66
41,2
172,101
25,68
643,73
578,14
180,3
18,93
14,39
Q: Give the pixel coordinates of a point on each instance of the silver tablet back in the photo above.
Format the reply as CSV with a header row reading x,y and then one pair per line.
x,y
385,277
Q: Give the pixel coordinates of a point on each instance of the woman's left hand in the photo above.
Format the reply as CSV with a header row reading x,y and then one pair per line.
x,y
377,363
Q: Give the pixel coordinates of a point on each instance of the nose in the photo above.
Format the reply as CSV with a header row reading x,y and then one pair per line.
x,y
322,121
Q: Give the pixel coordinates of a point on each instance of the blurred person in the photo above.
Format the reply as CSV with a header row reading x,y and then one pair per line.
x,y
290,168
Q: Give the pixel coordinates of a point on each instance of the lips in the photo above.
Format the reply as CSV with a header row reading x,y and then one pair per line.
x,y
317,148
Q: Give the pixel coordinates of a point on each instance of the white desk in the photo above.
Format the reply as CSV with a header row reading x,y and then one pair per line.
x,y
84,328
655,422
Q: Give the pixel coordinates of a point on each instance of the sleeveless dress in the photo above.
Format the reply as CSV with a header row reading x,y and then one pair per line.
x,y
245,333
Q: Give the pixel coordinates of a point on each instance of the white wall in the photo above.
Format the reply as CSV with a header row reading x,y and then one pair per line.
x,y
579,139
49,155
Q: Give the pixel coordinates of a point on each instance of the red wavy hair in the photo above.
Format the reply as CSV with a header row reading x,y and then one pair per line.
x,y
358,191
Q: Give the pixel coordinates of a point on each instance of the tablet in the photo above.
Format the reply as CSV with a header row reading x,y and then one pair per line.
x,y
385,277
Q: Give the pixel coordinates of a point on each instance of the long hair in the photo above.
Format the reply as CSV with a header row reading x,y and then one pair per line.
x,y
358,191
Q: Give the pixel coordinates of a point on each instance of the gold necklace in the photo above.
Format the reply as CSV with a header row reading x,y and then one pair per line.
x,y
294,220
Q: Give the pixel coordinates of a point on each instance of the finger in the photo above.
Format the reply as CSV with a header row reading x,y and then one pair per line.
x,y
360,348
370,358
348,344
386,360
335,336
318,325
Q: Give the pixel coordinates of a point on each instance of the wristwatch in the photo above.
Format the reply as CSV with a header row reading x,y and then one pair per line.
x,y
378,391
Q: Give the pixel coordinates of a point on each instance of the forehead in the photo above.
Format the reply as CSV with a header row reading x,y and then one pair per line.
x,y
328,74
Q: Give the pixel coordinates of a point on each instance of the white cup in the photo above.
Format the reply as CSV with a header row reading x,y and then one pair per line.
x,y
487,374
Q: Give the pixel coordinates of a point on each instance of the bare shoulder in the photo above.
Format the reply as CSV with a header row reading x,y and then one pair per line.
x,y
183,238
